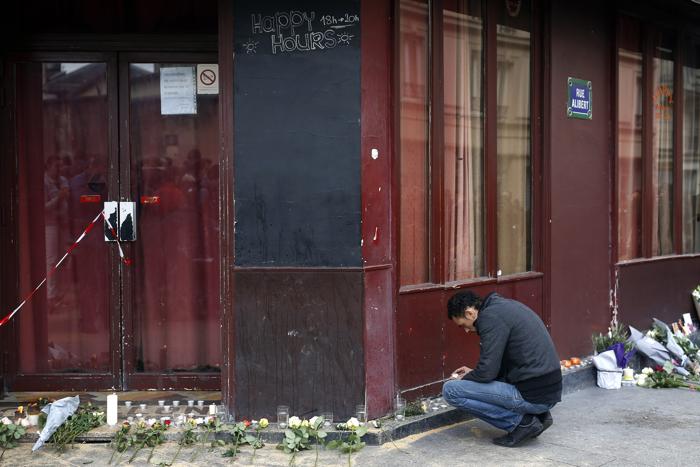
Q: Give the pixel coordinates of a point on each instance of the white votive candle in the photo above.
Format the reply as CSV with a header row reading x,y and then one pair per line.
x,y
212,409
112,404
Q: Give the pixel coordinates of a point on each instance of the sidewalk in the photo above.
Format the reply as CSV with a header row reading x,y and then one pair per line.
x,y
592,427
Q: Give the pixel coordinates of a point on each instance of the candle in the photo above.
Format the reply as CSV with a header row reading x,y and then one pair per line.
x,y
628,374
200,404
112,404
212,409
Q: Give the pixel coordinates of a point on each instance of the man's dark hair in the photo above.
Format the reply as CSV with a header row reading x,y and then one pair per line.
x,y
460,302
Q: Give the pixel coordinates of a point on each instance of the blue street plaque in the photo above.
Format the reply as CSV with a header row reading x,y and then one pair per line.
x,y
580,99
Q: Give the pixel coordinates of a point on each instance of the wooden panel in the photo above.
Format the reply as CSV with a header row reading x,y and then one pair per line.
x,y
299,337
375,129
656,289
581,44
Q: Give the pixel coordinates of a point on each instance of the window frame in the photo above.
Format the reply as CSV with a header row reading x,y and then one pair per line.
x,y
438,262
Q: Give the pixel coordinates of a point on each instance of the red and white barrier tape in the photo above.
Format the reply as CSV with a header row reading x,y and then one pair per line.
x,y
53,269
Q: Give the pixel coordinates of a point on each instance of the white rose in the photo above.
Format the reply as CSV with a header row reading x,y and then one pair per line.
x,y
199,420
315,421
642,380
294,422
151,421
647,371
353,423
24,422
6,421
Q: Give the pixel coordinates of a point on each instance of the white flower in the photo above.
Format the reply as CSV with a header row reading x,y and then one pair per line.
x,y
353,423
315,421
199,421
24,422
642,380
6,421
151,421
305,423
647,371
264,422
294,422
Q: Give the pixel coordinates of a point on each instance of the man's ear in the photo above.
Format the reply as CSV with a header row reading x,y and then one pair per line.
x,y
470,313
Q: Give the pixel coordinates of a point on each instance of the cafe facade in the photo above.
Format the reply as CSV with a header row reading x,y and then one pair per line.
x,y
276,199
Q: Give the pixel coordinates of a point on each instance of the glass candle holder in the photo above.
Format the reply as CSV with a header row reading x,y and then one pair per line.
x,y
200,404
327,418
176,403
127,404
190,403
161,403
166,408
400,408
282,416
361,413
142,407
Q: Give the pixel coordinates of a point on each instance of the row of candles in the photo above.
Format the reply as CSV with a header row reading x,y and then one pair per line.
x,y
426,404
113,402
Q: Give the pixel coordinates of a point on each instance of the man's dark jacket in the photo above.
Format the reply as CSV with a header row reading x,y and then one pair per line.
x,y
516,348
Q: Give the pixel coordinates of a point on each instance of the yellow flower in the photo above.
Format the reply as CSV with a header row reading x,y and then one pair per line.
x,y
20,409
264,422
305,423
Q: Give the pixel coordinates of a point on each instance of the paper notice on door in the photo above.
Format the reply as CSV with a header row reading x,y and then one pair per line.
x,y
178,90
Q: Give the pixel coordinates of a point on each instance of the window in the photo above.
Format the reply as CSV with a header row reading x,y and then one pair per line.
x,y
465,178
691,150
658,156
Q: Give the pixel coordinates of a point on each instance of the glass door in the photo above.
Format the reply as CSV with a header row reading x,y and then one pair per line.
x,y
170,156
138,130
65,337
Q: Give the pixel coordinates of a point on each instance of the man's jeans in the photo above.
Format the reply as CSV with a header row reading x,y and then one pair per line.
x,y
497,403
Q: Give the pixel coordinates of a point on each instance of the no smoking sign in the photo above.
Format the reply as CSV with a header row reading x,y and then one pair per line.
x,y
207,78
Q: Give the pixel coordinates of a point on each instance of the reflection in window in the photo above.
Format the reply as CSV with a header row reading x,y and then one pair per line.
x,y
662,149
413,142
62,141
691,151
513,145
629,148
464,149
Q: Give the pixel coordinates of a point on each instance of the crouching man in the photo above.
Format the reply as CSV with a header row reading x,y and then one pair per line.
x,y
518,377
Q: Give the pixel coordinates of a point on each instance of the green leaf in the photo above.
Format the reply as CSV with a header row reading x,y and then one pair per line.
x,y
322,434
362,431
333,444
18,435
289,434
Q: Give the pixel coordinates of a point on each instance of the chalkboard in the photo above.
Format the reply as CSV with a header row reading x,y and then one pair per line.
x,y
297,133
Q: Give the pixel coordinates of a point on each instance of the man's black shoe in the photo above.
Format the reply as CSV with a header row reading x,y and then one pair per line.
x,y
529,427
546,420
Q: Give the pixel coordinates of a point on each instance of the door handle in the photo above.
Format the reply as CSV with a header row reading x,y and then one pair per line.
x,y
120,221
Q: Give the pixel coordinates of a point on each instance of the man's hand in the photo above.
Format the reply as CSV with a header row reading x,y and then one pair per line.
x,y
460,372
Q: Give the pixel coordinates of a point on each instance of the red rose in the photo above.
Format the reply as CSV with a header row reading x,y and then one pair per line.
x,y
246,423
167,422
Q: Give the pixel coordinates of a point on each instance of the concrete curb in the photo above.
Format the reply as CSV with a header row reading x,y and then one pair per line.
x,y
574,379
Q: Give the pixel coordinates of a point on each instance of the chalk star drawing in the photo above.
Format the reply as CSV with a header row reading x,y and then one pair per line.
x,y
344,38
251,46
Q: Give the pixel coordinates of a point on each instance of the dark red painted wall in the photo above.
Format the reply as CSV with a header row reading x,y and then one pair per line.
x,y
656,289
579,158
375,125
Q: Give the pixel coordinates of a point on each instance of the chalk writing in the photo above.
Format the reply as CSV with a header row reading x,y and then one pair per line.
x,y
343,21
300,31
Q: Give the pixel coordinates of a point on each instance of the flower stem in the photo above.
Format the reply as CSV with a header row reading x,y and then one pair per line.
x,y
177,453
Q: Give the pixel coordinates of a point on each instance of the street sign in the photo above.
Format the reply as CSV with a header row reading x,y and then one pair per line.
x,y
579,103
